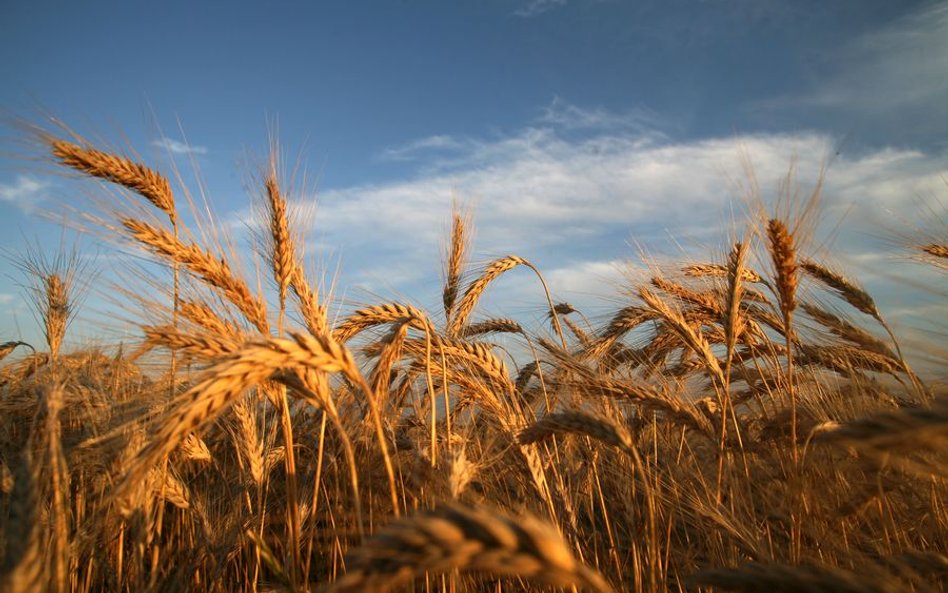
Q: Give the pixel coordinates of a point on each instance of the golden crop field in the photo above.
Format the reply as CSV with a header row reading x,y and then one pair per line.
x,y
744,423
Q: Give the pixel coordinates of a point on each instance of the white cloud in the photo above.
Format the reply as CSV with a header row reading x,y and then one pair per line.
x,y
5,298
573,205
537,7
25,193
177,147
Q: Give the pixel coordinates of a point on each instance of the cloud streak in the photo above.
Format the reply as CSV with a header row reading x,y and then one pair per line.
x,y
178,148
893,77
537,7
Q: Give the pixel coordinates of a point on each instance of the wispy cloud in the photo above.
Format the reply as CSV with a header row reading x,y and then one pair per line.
x,y
6,298
893,74
25,193
418,148
901,66
537,7
569,117
177,147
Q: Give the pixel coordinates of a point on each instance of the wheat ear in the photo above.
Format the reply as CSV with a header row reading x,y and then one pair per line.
x,y
456,537
379,315
200,262
597,427
760,577
783,253
455,262
145,181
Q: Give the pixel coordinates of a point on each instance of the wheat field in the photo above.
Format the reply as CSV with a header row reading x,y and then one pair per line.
x,y
745,423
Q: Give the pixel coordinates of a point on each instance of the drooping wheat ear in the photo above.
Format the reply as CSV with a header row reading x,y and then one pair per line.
x,y
496,325
705,302
763,577
379,315
148,183
7,348
455,262
903,429
170,489
847,331
846,360
202,315
648,398
55,312
477,287
844,287
195,449
923,562
22,569
455,537
201,263
936,249
204,347
857,296
585,341
599,428
719,271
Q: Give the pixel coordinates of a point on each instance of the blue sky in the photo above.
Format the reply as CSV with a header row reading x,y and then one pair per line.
x,y
579,130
